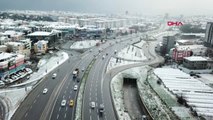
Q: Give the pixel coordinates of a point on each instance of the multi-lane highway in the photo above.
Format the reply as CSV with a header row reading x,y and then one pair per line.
x,y
95,86
48,106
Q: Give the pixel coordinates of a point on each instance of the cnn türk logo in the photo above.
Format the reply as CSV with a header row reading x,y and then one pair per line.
x,y
171,23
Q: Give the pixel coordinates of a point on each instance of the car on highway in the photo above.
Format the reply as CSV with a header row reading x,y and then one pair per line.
x,y
101,109
76,87
82,69
71,103
45,90
29,71
103,57
115,51
2,84
144,117
54,75
92,105
28,77
63,103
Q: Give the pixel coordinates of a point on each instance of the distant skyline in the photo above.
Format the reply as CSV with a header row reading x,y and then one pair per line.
x,y
146,7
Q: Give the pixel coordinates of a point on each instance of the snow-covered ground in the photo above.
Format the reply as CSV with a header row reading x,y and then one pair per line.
x,y
128,55
140,44
198,95
132,53
112,63
84,44
207,79
12,97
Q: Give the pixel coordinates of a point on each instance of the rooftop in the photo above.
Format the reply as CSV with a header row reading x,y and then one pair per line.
x,y
195,58
4,55
189,47
40,33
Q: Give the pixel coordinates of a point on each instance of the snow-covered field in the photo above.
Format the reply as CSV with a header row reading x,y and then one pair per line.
x,y
84,44
140,44
128,55
207,78
112,63
198,95
132,53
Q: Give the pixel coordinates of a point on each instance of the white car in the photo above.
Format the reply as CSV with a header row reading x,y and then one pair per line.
x,y
45,90
63,103
76,87
2,84
29,71
92,105
144,117
54,75
103,57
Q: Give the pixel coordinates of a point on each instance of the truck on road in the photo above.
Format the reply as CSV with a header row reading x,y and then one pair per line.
x,y
75,73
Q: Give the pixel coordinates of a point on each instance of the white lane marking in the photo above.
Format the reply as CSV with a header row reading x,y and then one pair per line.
x,y
90,111
98,117
66,108
26,115
65,91
67,87
31,107
57,116
34,101
90,98
38,95
90,117
59,109
63,96
70,91
90,86
69,96
65,115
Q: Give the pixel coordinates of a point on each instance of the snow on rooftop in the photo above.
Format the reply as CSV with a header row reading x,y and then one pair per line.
x,y
196,34
197,93
40,33
195,58
190,47
12,33
14,43
4,55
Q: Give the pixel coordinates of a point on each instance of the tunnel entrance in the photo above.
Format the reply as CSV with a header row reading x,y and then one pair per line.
x,y
133,104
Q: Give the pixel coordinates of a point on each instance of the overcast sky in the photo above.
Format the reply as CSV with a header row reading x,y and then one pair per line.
x,y
154,7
